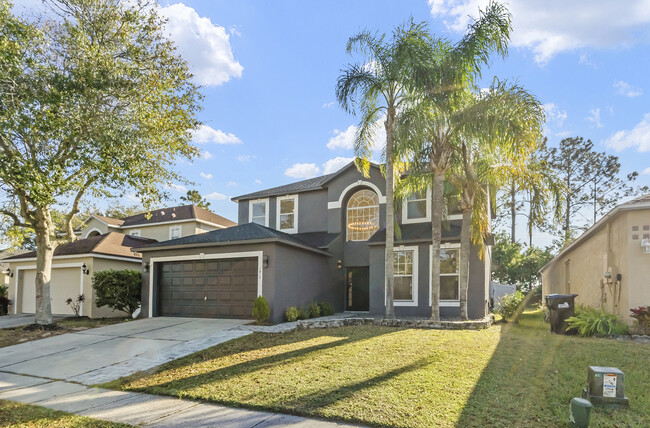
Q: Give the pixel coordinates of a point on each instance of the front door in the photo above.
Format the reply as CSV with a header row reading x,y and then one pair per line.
x,y
358,289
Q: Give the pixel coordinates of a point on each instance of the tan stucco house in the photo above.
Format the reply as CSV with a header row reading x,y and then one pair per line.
x,y
608,266
106,243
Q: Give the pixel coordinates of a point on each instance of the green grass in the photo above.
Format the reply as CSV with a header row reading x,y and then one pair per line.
x,y
27,416
505,376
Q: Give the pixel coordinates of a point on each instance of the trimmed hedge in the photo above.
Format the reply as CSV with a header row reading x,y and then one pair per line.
x,y
120,290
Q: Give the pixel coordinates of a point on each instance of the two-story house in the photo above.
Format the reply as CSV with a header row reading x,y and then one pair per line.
x,y
320,239
105,244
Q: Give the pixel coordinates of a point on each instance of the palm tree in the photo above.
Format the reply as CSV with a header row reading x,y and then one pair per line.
x,y
430,134
501,129
380,88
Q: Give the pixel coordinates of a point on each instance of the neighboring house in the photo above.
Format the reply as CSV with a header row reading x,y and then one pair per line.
x,y
161,225
320,239
106,244
72,267
608,266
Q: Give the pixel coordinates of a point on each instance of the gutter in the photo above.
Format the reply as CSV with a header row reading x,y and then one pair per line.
x,y
596,226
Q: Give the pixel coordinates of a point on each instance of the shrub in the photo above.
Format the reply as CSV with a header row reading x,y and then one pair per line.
x,y
303,314
4,291
313,310
292,314
326,309
261,310
590,321
75,304
642,316
510,303
118,289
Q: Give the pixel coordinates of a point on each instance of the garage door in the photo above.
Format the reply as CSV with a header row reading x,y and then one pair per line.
x,y
64,284
224,288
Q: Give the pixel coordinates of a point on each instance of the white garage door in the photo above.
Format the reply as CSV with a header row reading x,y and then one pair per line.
x,y
65,283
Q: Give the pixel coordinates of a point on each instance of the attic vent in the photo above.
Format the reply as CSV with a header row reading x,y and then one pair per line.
x,y
162,212
635,228
173,215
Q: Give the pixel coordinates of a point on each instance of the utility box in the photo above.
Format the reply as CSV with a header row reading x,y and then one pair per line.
x,y
606,388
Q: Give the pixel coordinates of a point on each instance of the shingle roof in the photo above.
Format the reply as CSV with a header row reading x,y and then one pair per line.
x,y
183,212
109,220
111,244
297,187
235,234
308,185
417,232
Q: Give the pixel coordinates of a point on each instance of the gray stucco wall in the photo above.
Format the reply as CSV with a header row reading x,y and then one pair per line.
x,y
476,297
301,277
294,277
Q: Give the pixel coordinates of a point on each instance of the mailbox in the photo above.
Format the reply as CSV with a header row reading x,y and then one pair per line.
x,y
606,387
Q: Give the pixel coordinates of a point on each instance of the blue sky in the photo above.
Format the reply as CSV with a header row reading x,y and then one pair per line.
x,y
269,69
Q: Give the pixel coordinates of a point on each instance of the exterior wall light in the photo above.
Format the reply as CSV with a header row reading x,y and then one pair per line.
x,y
339,264
85,269
265,261
145,267
9,273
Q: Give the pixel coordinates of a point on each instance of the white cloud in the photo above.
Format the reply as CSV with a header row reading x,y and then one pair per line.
x,y
206,155
595,117
176,188
206,176
555,118
231,183
624,88
328,105
646,171
207,134
245,158
258,181
302,170
335,164
216,196
205,46
637,137
343,139
554,26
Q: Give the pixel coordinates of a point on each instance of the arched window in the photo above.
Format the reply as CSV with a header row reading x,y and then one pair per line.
x,y
363,215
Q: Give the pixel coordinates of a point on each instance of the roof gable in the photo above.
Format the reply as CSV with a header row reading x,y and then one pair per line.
x,y
311,184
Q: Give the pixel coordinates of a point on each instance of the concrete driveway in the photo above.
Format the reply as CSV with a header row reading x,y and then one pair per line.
x,y
19,320
106,353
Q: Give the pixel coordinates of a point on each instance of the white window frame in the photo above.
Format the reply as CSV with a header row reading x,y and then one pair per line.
x,y
136,232
294,229
347,217
426,218
445,246
414,276
266,210
176,227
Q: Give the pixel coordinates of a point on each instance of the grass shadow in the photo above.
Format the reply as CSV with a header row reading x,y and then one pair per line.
x,y
533,374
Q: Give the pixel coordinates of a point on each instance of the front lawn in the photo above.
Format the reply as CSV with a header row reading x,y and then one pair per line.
x,y
16,335
504,376
29,416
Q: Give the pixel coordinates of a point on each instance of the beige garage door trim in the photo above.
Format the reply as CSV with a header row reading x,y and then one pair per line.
x,y
202,256
57,266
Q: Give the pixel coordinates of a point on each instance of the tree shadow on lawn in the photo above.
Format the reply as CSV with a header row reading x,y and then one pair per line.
x,y
533,374
247,344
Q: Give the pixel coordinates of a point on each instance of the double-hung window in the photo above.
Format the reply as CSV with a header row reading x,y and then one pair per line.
x,y
287,218
405,265
175,232
258,212
417,207
449,274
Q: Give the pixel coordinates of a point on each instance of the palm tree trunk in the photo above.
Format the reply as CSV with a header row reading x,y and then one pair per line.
x,y
44,254
390,216
513,213
436,238
465,252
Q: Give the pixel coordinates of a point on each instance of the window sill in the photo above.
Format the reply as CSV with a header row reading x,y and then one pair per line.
x,y
449,304
404,303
